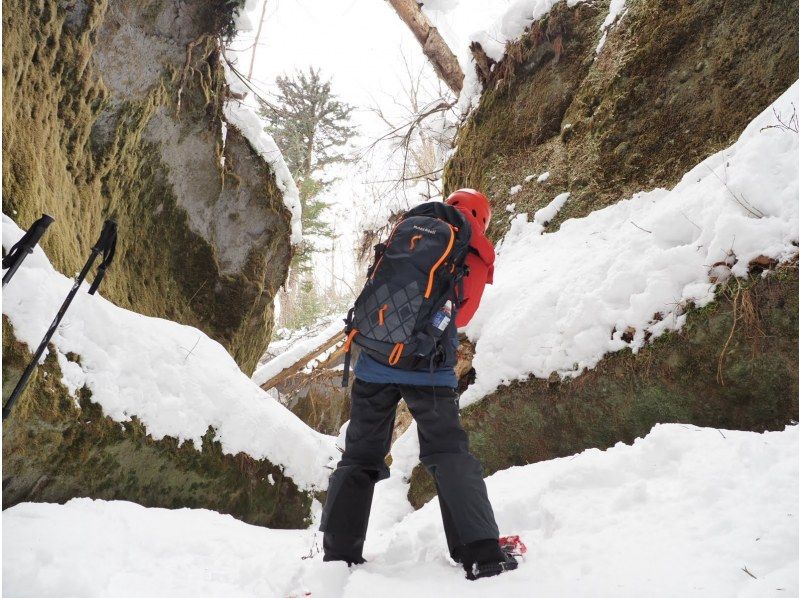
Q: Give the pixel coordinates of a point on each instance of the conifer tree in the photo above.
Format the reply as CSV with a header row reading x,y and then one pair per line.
x,y
311,126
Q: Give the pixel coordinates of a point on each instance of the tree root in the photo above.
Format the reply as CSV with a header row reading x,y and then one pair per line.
x,y
188,68
736,317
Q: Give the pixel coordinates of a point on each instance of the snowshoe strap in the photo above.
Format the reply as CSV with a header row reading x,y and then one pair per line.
x,y
459,284
346,371
380,248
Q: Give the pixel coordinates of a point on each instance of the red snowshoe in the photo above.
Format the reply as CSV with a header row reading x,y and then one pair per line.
x,y
512,548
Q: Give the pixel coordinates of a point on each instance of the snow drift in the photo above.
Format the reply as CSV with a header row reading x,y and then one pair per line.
x,y
685,511
176,380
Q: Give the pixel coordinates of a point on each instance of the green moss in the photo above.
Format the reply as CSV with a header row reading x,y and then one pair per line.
x,y
74,151
54,451
675,82
675,379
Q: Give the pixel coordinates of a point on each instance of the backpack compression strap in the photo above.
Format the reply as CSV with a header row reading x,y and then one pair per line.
x,y
351,332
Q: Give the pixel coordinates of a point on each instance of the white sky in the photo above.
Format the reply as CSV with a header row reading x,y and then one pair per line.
x,y
356,43
360,45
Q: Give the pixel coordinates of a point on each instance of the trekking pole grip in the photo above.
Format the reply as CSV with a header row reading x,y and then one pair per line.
x,y
24,246
107,245
107,237
38,228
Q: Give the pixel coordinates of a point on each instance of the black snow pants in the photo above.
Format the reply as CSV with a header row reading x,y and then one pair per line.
x,y
466,513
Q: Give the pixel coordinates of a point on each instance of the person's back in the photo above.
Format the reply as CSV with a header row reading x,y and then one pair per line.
x,y
430,393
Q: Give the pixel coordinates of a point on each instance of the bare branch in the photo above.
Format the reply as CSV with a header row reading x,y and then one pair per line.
x,y
784,125
258,35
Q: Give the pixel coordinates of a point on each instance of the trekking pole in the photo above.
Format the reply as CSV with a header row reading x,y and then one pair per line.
x,y
24,246
106,245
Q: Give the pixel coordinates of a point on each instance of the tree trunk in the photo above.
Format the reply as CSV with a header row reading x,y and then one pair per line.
x,y
303,361
434,47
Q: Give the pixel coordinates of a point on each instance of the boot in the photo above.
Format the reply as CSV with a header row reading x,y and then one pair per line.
x,y
485,558
338,547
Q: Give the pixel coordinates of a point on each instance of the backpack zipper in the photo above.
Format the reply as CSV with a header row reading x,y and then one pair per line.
x,y
441,259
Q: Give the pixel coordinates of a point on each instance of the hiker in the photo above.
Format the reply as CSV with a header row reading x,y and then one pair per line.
x,y
442,247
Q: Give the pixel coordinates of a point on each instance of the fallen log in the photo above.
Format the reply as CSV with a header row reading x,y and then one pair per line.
x,y
298,365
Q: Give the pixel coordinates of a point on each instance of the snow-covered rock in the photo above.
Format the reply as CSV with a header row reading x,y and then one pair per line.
x,y
547,213
244,118
176,380
493,36
618,267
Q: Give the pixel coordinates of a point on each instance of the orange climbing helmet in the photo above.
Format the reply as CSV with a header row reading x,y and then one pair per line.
x,y
473,202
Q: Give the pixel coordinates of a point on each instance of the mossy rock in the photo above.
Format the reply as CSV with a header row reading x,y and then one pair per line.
x,y
674,83
113,109
712,373
56,448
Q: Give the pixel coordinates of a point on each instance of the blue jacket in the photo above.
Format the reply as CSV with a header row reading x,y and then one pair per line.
x,y
369,370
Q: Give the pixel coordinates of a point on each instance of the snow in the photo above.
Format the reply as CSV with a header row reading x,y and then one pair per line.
x,y
529,178
248,14
244,118
561,301
547,213
681,512
615,9
176,380
543,177
515,189
440,5
297,349
511,207
243,115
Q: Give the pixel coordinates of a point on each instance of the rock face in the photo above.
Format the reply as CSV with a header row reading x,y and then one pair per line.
x,y
114,109
674,83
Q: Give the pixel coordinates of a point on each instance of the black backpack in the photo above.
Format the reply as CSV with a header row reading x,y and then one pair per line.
x,y
417,270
